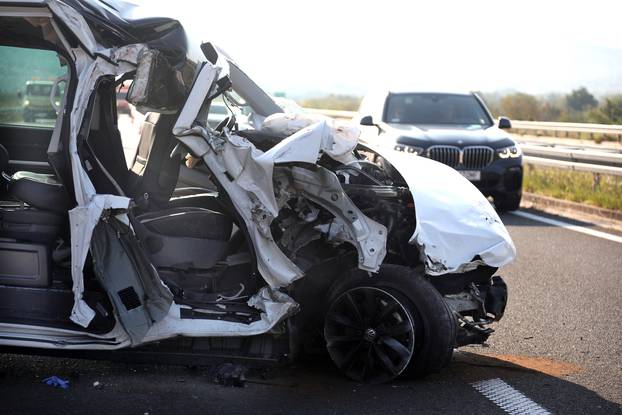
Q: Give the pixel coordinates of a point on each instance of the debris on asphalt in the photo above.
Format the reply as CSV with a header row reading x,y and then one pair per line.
x,y
56,382
230,374
96,384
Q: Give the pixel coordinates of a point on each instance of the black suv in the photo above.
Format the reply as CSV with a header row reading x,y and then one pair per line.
x,y
453,128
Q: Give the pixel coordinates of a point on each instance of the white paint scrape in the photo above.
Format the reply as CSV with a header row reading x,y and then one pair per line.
x,y
507,398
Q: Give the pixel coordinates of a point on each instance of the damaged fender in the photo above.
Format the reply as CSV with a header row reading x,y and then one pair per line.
x,y
457,227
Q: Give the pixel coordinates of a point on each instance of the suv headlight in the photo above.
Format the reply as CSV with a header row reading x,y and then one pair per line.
x,y
509,152
408,149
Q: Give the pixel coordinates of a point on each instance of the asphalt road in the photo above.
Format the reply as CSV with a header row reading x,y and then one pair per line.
x,y
560,345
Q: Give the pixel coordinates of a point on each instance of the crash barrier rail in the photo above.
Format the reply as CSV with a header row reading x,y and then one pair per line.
x,y
567,128
347,115
577,155
4,111
596,169
518,126
558,156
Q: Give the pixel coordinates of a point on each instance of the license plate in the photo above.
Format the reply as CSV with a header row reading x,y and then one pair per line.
x,y
472,175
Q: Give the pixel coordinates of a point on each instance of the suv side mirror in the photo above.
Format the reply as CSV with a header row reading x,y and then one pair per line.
x,y
368,121
505,123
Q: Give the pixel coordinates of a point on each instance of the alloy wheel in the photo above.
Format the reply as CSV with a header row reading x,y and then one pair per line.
x,y
370,334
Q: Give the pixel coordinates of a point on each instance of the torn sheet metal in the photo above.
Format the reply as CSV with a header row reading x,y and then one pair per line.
x,y
246,174
221,157
455,222
83,220
368,237
90,205
76,23
275,307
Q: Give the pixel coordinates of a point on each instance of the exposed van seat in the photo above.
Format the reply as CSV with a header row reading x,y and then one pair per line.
x,y
185,238
45,217
41,191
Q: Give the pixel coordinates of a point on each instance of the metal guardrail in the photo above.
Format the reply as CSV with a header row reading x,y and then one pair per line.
x,y
568,127
563,127
558,156
332,113
596,169
572,155
4,111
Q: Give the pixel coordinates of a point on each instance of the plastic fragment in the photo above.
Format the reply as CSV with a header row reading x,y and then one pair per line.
x,y
56,382
229,374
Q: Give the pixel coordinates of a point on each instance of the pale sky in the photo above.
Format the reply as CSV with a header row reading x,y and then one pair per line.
x,y
316,47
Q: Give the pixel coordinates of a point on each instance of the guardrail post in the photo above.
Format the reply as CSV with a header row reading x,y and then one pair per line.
x,y
596,182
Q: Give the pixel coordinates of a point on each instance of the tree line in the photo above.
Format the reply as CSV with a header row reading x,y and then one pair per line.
x,y
577,106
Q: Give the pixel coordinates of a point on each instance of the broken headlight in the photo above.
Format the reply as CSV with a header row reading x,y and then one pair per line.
x,y
509,152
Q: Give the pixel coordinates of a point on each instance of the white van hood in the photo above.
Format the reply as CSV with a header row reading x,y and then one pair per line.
x,y
457,228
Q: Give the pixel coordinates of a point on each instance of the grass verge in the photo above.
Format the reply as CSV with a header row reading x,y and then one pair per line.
x,y
575,186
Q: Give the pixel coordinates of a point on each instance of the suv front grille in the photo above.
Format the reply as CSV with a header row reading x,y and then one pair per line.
x,y
477,157
472,158
445,154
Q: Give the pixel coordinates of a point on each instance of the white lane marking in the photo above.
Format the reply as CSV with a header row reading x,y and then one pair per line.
x,y
507,398
569,226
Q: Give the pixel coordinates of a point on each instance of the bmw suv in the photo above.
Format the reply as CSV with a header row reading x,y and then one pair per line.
x,y
455,129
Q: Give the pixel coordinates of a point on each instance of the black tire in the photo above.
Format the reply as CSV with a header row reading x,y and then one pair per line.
x,y
434,324
507,203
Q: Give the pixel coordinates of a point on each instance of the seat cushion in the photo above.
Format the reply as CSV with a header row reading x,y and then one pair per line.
x,y
189,222
197,198
184,238
41,191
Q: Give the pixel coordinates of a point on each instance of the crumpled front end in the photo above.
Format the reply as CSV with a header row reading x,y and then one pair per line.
x,y
457,227
247,175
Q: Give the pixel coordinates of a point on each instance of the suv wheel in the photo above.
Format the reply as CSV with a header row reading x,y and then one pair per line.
x,y
507,202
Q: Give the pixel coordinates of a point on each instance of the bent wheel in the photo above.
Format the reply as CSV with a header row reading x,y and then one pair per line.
x,y
370,334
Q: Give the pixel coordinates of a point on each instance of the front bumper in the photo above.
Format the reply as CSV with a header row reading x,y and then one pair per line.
x,y
501,177
476,307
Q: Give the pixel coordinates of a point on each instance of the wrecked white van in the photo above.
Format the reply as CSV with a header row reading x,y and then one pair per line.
x,y
293,237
